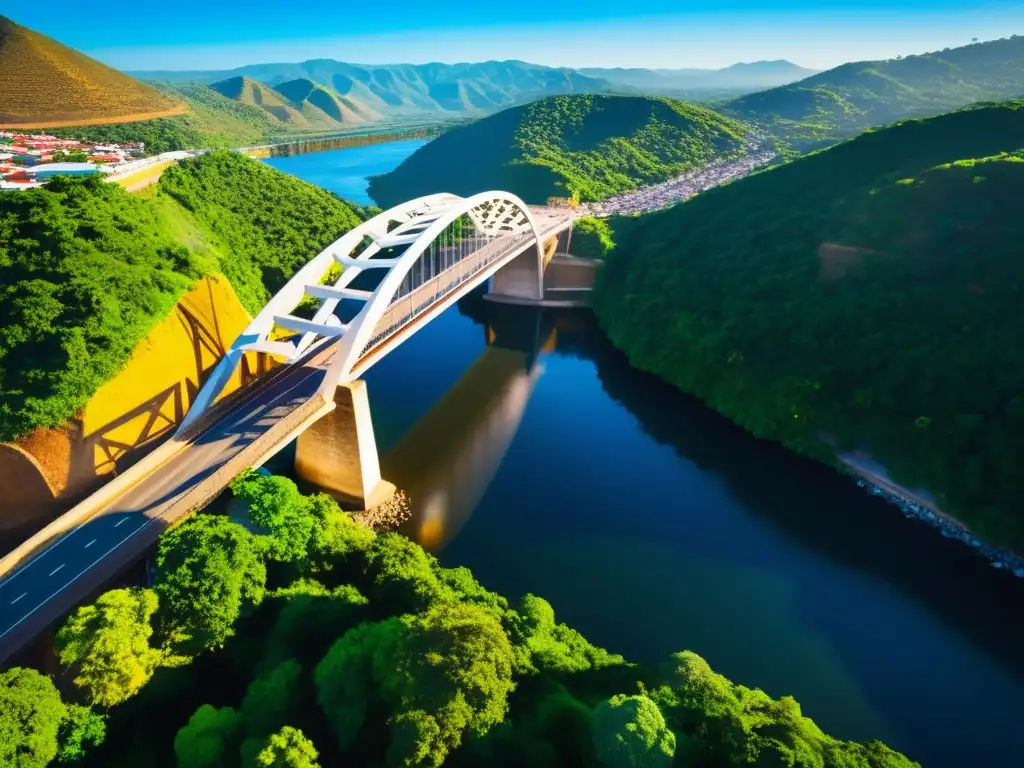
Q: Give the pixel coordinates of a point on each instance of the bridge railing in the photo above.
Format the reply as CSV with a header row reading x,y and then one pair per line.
x,y
408,307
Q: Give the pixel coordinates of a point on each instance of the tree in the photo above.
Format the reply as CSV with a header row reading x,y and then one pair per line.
x,y
554,647
108,644
207,739
338,542
208,571
271,698
31,713
630,732
348,677
81,729
288,748
402,573
312,617
275,504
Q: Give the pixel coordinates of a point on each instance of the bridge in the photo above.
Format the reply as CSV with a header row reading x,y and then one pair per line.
x,y
347,308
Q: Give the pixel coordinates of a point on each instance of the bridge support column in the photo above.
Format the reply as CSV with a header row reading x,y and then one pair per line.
x,y
339,452
523,277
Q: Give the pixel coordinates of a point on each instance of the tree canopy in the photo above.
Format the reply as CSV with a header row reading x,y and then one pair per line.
x,y
583,146
862,298
107,643
368,647
207,571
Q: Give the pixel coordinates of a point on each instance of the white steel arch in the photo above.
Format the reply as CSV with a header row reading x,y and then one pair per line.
x,y
420,222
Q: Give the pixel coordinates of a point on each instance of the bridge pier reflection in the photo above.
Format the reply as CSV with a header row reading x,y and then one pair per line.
x,y
448,459
339,452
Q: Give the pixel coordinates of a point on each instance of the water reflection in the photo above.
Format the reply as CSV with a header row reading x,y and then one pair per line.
x,y
447,460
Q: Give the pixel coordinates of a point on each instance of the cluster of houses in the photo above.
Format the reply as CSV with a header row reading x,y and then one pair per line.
x,y
28,161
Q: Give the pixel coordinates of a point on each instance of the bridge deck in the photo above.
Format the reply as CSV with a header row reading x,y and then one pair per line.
x,y
74,563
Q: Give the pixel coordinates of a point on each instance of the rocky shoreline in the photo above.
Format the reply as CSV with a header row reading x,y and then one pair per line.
x,y
948,527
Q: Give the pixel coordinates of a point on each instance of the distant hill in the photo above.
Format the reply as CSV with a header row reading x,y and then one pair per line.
x,y
868,296
212,120
299,104
842,102
479,87
44,83
593,145
744,76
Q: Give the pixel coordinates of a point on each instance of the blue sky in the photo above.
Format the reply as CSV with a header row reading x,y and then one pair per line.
x,y
197,34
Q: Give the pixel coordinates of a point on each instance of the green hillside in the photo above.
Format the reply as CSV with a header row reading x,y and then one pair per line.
x,y
869,295
212,120
89,270
842,102
595,146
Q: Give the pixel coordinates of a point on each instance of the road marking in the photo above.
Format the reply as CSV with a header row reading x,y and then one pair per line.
x,y
146,521
18,598
119,522
90,543
57,569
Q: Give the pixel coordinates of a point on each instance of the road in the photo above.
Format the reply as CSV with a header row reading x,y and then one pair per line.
x,y
69,570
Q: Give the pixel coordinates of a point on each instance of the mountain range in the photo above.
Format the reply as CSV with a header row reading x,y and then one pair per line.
x,y
479,87
743,76
842,102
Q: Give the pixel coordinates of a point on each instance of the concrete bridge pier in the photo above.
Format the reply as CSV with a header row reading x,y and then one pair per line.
x,y
339,452
523,277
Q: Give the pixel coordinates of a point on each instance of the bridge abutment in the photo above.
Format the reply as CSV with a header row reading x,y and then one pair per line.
x,y
339,452
521,278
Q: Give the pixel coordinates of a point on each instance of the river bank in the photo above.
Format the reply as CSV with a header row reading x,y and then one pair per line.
x,y
915,506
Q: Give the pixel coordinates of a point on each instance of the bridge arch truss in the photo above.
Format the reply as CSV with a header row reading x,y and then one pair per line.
x,y
428,248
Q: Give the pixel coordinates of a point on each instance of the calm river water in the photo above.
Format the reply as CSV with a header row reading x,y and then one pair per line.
x,y
536,456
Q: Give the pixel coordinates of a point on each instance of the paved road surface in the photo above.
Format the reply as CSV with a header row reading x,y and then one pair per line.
x,y
58,575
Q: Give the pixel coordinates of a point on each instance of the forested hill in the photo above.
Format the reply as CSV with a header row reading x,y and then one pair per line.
x,y
842,102
595,146
869,295
88,270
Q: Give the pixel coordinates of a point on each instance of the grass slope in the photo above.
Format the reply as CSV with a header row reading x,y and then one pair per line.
x,y
594,145
842,102
87,270
44,83
212,120
869,294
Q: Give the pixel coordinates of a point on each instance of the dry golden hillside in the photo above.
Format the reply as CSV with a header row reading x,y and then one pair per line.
x,y
45,84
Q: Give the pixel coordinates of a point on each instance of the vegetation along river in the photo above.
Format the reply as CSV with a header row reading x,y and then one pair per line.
x,y
535,456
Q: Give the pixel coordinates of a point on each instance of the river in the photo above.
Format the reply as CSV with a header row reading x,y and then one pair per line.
x,y
536,456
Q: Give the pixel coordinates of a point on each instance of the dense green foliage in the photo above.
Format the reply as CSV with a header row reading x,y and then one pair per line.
x,y
591,238
108,644
840,103
867,296
630,732
594,146
365,651
269,222
87,270
36,726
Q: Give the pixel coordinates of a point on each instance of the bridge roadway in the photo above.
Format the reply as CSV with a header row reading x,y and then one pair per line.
x,y
66,572
68,568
